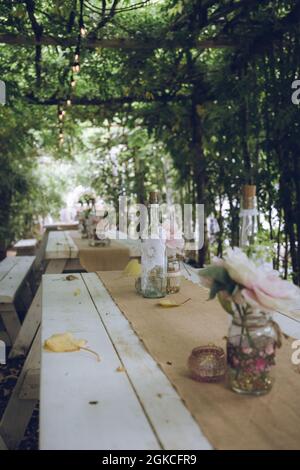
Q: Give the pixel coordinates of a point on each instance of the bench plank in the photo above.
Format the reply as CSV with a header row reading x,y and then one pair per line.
x,y
60,245
85,404
13,271
33,317
26,243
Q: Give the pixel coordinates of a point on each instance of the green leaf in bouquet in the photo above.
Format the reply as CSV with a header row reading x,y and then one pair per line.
x,y
225,303
221,280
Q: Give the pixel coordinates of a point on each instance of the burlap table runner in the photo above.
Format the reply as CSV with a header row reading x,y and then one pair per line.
x,y
228,420
112,257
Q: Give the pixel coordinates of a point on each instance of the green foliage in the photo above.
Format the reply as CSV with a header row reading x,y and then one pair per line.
x,y
219,279
199,121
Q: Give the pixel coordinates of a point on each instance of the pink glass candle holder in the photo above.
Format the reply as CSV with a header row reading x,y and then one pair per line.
x,y
207,363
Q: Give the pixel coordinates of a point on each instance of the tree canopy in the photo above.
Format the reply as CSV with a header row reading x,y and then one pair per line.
x,y
195,91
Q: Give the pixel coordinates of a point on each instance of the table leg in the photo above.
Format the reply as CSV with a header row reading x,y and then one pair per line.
x,y
11,322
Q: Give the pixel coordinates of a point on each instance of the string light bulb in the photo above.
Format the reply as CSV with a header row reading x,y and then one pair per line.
x,y
69,102
61,115
83,31
73,83
76,67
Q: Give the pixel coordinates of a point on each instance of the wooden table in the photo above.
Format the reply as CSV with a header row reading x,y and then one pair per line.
x,y
123,402
61,226
61,251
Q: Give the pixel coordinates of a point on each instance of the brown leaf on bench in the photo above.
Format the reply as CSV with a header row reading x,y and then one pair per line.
x,y
71,277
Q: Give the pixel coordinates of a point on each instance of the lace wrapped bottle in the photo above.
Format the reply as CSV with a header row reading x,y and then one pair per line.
x,y
153,256
173,275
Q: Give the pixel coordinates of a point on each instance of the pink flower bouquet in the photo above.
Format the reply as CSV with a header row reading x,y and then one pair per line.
x,y
250,294
238,279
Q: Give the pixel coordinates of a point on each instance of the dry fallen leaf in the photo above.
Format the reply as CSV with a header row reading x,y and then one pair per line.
x,y
65,342
76,292
132,269
71,277
167,303
120,369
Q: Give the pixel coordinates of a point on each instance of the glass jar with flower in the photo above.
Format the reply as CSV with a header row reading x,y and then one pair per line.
x,y
250,294
251,348
87,206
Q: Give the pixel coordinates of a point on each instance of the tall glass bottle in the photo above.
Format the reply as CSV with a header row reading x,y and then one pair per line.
x,y
153,259
248,218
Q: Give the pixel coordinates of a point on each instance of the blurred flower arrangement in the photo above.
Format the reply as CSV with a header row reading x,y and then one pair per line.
x,y
87,204
251,294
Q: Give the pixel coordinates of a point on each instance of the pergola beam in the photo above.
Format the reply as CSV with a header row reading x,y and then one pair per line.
x,y
114,43
105,102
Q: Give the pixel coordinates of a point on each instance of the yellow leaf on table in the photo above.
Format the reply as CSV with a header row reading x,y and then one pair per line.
x,y
76,292
167,303
65,342
132,269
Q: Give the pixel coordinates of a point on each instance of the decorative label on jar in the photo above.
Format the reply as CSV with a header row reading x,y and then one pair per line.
x,y
153,259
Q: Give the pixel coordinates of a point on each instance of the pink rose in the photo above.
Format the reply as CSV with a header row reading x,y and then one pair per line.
x,y
236,362
269,349
272,293
261,289
260,365
247,350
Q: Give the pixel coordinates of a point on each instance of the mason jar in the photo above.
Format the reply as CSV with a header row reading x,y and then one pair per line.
x,y
251,349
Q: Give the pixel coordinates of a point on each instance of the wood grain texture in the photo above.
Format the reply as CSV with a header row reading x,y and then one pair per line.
x,y
85,404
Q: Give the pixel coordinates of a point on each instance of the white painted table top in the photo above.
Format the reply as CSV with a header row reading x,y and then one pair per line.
x,y
60,245
62,226
85,404
134,246
13,271
89,405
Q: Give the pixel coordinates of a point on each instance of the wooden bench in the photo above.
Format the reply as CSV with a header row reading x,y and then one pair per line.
x,y
14,272
26,247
